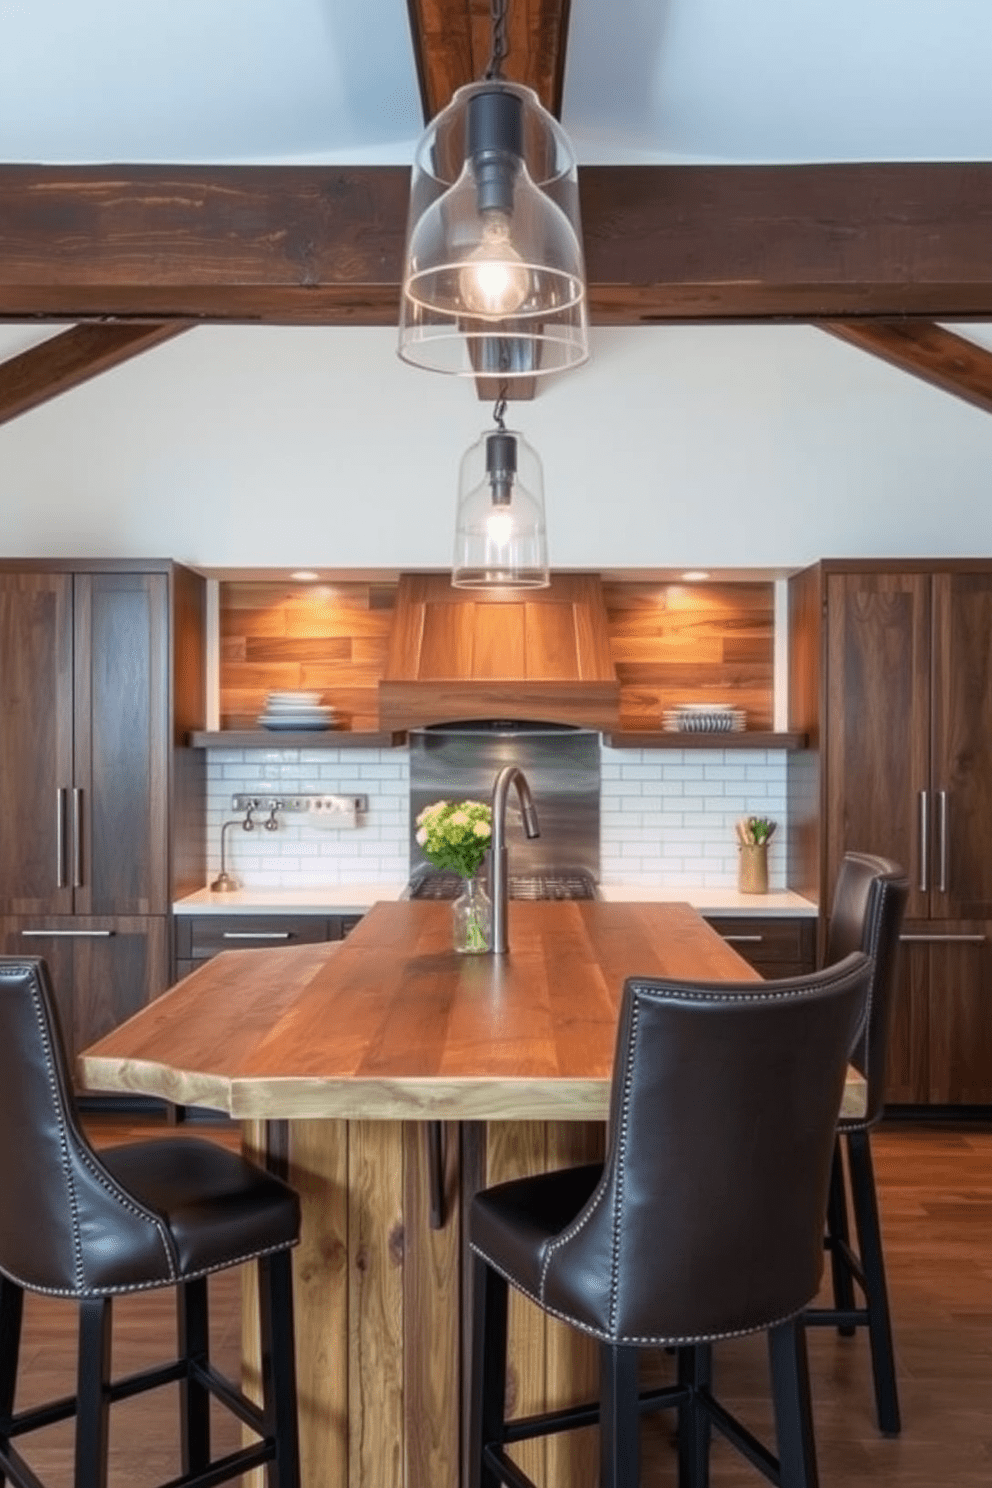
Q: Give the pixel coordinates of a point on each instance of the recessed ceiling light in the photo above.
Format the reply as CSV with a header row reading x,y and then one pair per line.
x,y
695,575
305,575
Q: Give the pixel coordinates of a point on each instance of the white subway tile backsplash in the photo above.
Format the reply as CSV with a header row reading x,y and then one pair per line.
x,y
665,815
687,814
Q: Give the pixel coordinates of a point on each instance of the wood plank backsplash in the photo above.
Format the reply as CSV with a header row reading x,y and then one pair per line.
x,y
699,643
330,638
670,643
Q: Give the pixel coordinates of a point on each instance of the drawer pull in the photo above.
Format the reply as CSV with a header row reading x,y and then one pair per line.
x,y
745,939
77,838
942,822
942,939
257,935
60,875
69,934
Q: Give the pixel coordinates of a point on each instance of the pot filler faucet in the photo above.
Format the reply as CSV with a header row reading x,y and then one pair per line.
x,y
509,775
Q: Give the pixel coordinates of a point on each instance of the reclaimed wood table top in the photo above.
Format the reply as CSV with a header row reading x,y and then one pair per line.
x,y
393,1024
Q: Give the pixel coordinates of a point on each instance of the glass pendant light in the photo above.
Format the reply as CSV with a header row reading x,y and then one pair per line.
x,y
500,536
494,276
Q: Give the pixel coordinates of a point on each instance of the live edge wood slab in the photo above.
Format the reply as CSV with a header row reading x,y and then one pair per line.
x,y
333,1056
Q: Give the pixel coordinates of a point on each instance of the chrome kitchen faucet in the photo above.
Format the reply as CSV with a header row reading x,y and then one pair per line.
x,y
509,775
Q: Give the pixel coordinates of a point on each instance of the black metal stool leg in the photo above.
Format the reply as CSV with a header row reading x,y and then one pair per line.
x,y
487,1408
93,1392
695,1369
11,1313
793,1408
865,1203
194,1347
619,1417
837,1230
275,1299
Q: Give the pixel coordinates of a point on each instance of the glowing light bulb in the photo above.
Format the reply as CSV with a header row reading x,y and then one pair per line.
x,y
499,526
494,281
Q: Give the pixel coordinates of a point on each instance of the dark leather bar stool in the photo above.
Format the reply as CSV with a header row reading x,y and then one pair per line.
x,y
866,915
704,1222
88,1226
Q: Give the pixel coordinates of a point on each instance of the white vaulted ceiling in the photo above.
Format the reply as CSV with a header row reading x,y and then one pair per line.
x,y
310,81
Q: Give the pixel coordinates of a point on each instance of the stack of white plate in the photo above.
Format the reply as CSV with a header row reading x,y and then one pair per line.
x,y
296,710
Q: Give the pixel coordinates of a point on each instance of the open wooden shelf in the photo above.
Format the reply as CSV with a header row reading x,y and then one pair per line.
x,y
728,739
293,739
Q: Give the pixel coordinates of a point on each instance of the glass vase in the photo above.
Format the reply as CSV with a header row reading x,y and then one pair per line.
x,y
472,918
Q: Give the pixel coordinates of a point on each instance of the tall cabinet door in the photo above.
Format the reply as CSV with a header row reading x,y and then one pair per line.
x,y
962,747
878,722
959,1028
120,797
35,742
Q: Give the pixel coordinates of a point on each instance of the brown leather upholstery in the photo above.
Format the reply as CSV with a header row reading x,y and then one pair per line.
x,y
79,1223
706,1219
866,915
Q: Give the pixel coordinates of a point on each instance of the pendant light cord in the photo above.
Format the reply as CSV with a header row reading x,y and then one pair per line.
x,y
499,45
499,411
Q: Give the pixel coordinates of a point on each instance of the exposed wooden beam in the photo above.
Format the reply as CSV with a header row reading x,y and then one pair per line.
x,y
323,245
926,350
452,42
65,361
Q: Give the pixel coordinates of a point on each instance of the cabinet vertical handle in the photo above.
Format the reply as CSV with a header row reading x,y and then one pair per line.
x,y
924,841
942,824
77,838
60,837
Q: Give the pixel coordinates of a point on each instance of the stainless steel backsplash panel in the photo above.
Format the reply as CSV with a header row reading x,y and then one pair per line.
x,y
460,761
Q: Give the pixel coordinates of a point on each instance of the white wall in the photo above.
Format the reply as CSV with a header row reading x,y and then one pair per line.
x,y
717,446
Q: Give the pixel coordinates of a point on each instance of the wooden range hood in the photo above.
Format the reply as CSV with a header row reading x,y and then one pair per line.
x,y
537,654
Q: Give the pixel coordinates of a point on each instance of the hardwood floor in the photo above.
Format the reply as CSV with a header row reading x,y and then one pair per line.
x,y
935,1193
935,1196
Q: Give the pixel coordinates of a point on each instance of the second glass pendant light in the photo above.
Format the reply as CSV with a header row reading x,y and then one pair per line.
x,y
500,534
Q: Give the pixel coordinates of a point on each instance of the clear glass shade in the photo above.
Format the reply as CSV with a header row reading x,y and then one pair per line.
x,y
500,536
494,277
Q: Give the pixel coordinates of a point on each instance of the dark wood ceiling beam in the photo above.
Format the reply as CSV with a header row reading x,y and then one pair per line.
x,y
452,43
323,245
928,351
65,361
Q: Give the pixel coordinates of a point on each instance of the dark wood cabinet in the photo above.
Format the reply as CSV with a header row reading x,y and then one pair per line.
x,y
103,968
892,673
102,803
36,724
781,946
199,937
908,732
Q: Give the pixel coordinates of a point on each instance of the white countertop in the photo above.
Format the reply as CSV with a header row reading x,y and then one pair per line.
x,y
339,899
357,898
710,901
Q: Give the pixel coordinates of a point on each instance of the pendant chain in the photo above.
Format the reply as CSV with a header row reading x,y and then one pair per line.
x,y
499,46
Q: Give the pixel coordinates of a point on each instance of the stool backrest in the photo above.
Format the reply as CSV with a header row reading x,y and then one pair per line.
x,y
63,1217
866,915
709,1217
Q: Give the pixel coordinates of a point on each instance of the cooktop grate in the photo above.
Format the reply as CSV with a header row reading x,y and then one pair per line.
x,y
577,884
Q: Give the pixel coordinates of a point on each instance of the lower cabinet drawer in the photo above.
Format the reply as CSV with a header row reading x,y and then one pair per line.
x,y
199,937
775,947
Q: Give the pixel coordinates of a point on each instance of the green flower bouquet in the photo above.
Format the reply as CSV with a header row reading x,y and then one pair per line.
x,y
455,835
